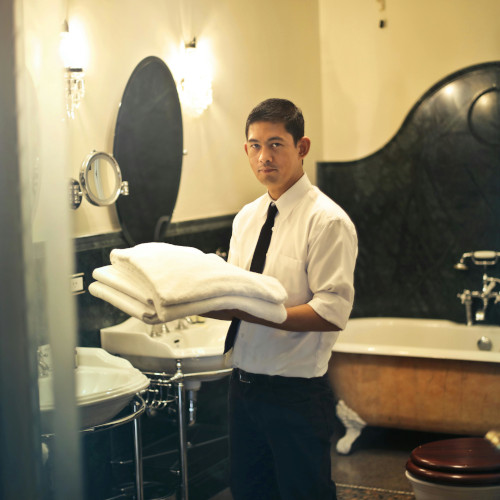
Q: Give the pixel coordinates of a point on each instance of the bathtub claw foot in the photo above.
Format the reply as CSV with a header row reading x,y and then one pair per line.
x,y
353,423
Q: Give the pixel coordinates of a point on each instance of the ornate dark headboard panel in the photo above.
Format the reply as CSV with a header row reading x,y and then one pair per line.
x,y
430,194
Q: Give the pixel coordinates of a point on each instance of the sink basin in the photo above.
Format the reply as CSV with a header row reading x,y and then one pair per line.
x,y
104,386
199,346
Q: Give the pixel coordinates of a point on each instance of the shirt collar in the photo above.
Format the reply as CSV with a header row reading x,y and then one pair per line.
x,y
287,201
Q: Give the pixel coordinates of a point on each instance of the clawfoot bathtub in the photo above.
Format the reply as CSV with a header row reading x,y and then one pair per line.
x,y
416,374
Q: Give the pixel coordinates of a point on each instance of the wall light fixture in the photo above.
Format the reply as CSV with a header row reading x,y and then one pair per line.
x,y
195,78
72,50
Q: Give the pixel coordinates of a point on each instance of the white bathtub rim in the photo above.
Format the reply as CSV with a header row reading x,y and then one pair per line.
x,y
476,331
419,352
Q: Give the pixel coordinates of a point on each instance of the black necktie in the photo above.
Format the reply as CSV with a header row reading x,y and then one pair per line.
x,y
257,266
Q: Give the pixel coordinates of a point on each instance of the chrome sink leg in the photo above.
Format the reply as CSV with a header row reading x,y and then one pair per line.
x,y
139,481
181,394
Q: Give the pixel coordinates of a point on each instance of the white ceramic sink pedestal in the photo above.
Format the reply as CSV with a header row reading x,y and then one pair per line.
x,y
104,386
199,347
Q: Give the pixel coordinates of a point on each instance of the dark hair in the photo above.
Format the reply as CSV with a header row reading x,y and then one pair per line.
x,y
278,111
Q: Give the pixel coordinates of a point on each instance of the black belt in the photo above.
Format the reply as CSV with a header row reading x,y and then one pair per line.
x,y
259,378
249,378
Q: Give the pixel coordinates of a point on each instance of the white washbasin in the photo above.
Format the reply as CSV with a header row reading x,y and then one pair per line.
x,y
104,386
199,346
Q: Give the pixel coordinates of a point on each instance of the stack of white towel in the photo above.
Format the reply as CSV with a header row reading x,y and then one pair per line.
x,y
159,282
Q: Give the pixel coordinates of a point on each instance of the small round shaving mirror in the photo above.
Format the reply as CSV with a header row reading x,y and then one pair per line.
x,y
101,180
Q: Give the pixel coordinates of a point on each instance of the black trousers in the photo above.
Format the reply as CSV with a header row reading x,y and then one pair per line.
x,y
279,434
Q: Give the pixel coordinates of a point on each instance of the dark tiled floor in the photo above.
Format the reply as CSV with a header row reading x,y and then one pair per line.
x,y
375,467
362,493
349,493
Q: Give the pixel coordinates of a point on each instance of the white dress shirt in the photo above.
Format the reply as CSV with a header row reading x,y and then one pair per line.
x,y
312,253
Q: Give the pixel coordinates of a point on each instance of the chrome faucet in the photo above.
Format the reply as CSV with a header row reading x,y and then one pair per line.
x,y
466,299
159,329
478,258
185,323
487,293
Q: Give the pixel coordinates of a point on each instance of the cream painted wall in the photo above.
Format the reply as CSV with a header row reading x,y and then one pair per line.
x,y
371,77
40,104
260,49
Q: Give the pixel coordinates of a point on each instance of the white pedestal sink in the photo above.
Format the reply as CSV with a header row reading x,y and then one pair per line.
x,y
199,347
188,353
104,386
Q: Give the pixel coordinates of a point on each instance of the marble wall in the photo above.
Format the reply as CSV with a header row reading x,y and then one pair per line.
x,y
429,195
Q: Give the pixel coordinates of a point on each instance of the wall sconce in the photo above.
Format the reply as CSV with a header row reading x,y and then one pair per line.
x,y
73,54
195,82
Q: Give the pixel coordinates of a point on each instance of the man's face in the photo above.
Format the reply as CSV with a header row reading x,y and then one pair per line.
x,y
275,160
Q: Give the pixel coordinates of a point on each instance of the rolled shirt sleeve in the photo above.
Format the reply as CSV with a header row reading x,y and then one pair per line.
x,y
330,270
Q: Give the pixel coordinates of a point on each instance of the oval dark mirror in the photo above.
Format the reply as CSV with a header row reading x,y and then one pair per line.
x,y
148,146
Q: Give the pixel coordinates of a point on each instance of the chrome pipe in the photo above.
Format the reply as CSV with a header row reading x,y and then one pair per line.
x,y
139,479
181,391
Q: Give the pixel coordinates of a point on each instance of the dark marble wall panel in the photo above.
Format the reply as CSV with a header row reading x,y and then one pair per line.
x,y
429,195
93,313
209,235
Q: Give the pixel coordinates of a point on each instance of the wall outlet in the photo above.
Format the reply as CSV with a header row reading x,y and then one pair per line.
x,y
76,283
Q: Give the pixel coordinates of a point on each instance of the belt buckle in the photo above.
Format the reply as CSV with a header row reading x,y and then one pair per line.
x,y
243,377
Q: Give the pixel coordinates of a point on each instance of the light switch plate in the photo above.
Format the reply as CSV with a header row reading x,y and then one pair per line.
x,y
76,284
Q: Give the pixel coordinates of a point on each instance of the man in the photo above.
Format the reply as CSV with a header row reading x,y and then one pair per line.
x,y
281,408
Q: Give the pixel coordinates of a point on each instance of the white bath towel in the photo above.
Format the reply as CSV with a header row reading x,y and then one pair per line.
x,y
124,302
177,274
257,307
127,283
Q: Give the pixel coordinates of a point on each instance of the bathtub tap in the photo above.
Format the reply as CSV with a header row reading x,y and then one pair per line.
x,y
483,258
485,295
466,299
478,258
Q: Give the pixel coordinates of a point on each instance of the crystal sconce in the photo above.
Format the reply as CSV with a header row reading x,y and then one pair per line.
x,y
75,89
195,82
73,54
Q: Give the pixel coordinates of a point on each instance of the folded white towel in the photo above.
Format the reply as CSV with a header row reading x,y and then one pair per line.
x,y
177,274
257,307
127,283
124,302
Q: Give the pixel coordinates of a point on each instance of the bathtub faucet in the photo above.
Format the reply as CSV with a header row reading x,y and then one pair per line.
x,y
478,258
483,258
466,299
485,295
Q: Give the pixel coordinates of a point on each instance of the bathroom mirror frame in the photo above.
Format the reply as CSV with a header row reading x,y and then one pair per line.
x,y
93,183
148,145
